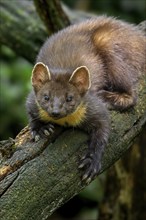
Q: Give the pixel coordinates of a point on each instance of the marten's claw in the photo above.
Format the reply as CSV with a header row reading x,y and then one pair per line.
x,y
35,135
51,128
91,167
37,138
46,132
43,131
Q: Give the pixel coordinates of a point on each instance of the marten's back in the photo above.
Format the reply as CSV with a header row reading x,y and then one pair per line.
x,y
96,43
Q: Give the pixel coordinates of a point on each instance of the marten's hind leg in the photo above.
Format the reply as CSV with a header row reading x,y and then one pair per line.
x,y
122,61
117,100
120,89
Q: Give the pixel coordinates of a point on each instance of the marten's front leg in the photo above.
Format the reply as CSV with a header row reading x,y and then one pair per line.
x,y
91,162
97,126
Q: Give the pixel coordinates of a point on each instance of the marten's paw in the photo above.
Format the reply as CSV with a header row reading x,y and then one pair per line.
x,y
91,165
42,131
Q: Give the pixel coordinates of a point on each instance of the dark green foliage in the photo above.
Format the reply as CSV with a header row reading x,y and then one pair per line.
x,y
14,85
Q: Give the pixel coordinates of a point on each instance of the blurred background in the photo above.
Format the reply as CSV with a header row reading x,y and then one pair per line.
x,y
15,75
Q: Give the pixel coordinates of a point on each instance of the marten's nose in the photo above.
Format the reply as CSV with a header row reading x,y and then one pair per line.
x,y
55,114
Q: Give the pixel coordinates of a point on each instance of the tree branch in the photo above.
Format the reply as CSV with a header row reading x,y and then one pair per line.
x,y
52,15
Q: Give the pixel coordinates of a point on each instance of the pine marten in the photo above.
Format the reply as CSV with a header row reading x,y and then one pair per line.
x,y
80,72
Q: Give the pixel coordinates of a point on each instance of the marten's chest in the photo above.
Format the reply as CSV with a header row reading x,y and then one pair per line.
x,y
74,119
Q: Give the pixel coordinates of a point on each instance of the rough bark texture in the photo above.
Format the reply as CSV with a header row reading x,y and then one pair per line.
x,y
37,178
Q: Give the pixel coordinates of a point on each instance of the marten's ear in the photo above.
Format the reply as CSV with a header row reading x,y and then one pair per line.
x,y
40,75
80,78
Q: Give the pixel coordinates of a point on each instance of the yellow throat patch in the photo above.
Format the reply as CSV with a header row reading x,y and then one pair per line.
x,y
73,119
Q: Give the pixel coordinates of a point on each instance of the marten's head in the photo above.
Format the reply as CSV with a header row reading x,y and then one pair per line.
x,y
59,93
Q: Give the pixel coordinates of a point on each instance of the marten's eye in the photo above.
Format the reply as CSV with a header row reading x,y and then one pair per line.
x,y
46,98
69,98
